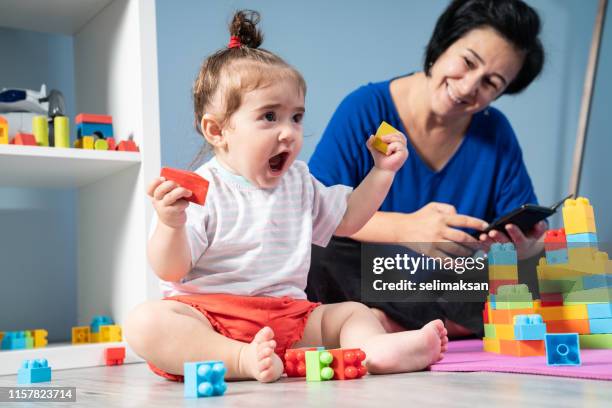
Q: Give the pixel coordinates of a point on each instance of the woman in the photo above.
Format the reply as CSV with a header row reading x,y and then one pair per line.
x,y
465,166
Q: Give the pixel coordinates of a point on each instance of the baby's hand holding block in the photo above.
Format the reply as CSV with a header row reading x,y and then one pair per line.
x,y
189,180
383,130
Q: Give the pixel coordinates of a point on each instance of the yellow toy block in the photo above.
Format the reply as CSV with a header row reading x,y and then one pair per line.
x,y
78,144
588,296
109,333
88,142
101,144
491,345
556,272
383,130
578,216
81,335
4,137
40,337
588,260
503,272
573,312
40,129
61,131
504,331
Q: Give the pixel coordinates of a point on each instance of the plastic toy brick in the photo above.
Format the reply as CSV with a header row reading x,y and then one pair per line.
x,y
508,272
599,311
551,299
485,316
40,129
568,326
61,131
1,337
588,296
554,272
495,284
514,304
596,281
81,334
34,371
491,300
348,364
522,348
383,130
504,331
88,142
585,239
4,137
600,326
489,331
513,292
197,184
491,345
29,339
588,260
93,118
78,144
557,257
502,254
15,340
102,130
555,239
40,337
295,361
101,144
114,355
24,139
506,316
562,349
109,333
578,216
595,341
98,321
529,327
111,143
204,379
127,146
575,312
564,285
318,365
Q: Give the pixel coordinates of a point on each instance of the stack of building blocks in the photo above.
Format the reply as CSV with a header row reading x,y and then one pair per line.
x,y
101,330
34,371
25,339
90,127
204,379
503,268
336,364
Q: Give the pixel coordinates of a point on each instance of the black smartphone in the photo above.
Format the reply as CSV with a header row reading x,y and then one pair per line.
x,y
524,217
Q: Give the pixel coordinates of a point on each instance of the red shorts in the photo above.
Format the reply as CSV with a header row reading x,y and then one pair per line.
x,y
241,317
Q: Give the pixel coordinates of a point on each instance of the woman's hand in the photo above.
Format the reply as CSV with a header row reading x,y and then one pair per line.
x,y
527,245
434,230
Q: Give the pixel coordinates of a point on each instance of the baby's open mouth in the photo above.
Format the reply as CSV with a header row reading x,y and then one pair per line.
x,y
278,162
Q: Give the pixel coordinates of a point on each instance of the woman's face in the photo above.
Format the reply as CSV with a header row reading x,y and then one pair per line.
x,y
472,73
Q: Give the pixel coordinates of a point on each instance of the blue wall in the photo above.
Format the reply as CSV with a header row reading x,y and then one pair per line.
x,y
38,291
340,45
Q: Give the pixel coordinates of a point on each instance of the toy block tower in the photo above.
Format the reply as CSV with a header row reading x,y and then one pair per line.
x,y
503,268
93,131
575,279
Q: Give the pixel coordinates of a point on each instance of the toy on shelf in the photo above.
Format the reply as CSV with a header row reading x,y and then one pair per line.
x,y
24,139
114,355
562,349
127,145
4,131
204,379
34,371
101,330
197,184
383,130
25,339
93,131
61,131
335,364
40,129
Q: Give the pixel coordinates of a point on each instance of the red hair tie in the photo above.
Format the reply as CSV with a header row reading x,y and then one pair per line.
x,y
234,42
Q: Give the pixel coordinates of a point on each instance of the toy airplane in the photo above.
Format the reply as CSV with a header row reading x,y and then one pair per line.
x,y
24,100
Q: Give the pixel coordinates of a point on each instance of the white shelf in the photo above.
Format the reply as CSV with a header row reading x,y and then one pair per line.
x,y
63,356
50,167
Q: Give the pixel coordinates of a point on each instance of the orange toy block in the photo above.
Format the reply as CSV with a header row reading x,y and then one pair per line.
x,y
522,348
197,184
568,326
348,364
127,146
295,361
496,283
114,355
24,139
93,118
506,316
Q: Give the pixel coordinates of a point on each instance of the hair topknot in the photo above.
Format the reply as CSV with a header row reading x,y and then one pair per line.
x,y
244,26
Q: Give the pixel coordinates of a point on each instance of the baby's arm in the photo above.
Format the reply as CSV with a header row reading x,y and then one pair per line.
x,y
366,199
168,249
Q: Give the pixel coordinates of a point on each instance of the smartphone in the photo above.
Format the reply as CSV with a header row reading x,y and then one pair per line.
x,y
524,217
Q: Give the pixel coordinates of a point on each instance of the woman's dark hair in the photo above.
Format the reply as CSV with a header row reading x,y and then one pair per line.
x,y
514,20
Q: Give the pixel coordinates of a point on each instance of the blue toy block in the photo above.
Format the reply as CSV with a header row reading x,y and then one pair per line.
x,y
320,348
562,349
15,340
204,379
98,321
34,371
104,130
492,302
584,240
600,326
596,281
558,256
502,254
599,310
529,327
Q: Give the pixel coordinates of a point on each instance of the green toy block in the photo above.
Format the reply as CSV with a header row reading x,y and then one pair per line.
x,y
317,365
564,285
513,305
511,290
595,341
489,330
588,296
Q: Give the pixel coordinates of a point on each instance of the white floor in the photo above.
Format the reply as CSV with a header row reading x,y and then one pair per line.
x,y
133,385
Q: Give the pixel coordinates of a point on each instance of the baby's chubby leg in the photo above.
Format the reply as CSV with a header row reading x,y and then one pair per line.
x,y
169,333
353,325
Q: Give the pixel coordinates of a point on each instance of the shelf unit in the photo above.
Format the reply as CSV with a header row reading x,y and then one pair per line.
x,y
115,66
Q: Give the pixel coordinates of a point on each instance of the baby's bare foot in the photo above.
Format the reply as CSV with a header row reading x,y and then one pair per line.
x,y
258,360
406,351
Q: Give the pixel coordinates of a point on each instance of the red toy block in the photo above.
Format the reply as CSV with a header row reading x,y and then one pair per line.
x,y
189,180
496,283
114,355
295,361
555,240
127,146
485,316
348,364
93,118
24,139
111,143
551,299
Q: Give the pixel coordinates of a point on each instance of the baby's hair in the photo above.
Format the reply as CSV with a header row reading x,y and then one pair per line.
x,y
229,73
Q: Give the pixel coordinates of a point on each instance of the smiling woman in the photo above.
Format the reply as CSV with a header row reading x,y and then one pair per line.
x,y
465,166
